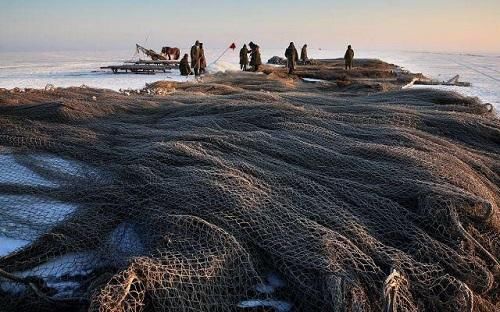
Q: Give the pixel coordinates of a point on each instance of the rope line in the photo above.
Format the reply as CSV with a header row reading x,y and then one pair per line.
x,y
474,69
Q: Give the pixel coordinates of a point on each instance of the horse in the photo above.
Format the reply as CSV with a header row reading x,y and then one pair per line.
x,y
171,53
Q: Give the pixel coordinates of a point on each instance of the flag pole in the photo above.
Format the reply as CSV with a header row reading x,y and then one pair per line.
x,y
220,56
232,46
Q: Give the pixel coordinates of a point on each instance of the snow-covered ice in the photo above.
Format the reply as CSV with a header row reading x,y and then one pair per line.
x,y
13,172
64,289
8,244
272,282
275,280
313,80
264,288
68,265
64,69
25,217
62,166
278,305
222,67
125,241
28,209
18,169
58,273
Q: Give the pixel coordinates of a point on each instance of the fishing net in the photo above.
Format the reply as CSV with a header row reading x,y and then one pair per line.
x,y
187,202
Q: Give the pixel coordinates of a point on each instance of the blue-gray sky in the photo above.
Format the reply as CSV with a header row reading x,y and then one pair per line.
x,y
437,25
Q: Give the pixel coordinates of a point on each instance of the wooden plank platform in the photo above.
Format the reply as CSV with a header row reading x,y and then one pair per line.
x,y
442,83
139,68
157,62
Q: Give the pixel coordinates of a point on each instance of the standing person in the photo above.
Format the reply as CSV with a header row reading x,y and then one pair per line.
x,y
203,60
303,54
252,48
348,57
255,59
291,56
195,58
244,58
184,67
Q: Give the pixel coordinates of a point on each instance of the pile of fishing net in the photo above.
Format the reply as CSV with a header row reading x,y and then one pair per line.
x,y
189,202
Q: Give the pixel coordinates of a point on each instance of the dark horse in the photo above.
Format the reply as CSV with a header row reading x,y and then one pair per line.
x,y
171,53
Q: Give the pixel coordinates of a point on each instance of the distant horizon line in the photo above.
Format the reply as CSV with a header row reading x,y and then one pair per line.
x,y
452,52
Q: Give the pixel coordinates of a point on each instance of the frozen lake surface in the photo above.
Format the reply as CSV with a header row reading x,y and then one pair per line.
x,y
64,69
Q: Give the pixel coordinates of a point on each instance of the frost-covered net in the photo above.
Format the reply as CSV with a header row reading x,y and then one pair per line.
x,y
187,202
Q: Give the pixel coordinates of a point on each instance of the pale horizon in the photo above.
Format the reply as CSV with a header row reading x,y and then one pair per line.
x,y
446,26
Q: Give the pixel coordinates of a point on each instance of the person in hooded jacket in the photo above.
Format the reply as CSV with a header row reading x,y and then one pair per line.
x,y
184,67
349,57
244,58
195,58
203,60
255,59
303,54
292,57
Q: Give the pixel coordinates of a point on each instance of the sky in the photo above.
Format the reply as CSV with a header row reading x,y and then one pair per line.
x,y
92,25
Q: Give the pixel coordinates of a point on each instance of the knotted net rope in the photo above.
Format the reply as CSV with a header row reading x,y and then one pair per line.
x,y
184,202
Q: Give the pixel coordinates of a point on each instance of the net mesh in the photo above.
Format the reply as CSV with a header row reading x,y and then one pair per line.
x,y
186,202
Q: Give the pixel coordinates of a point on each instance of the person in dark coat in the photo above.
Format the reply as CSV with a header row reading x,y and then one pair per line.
x,y
255,59
244,58
303,54
292,57
184,67
348,57
195,58
203,60
252,46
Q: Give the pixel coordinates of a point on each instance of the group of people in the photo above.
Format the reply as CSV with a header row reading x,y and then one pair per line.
x,y
292,57
198,61
255,59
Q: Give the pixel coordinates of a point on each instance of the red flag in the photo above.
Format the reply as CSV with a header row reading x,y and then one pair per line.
x,y
232,46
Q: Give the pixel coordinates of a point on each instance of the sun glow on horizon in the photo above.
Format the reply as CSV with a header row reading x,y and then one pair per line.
x,y
452,26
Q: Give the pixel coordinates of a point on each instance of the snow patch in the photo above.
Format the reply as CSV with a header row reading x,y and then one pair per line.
x,y
64,289
313,80
59,272
12,288
222,67
264,288
23,218
62,166
277,305
14,173
125,241
30,215
68,265
273,282
8,245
